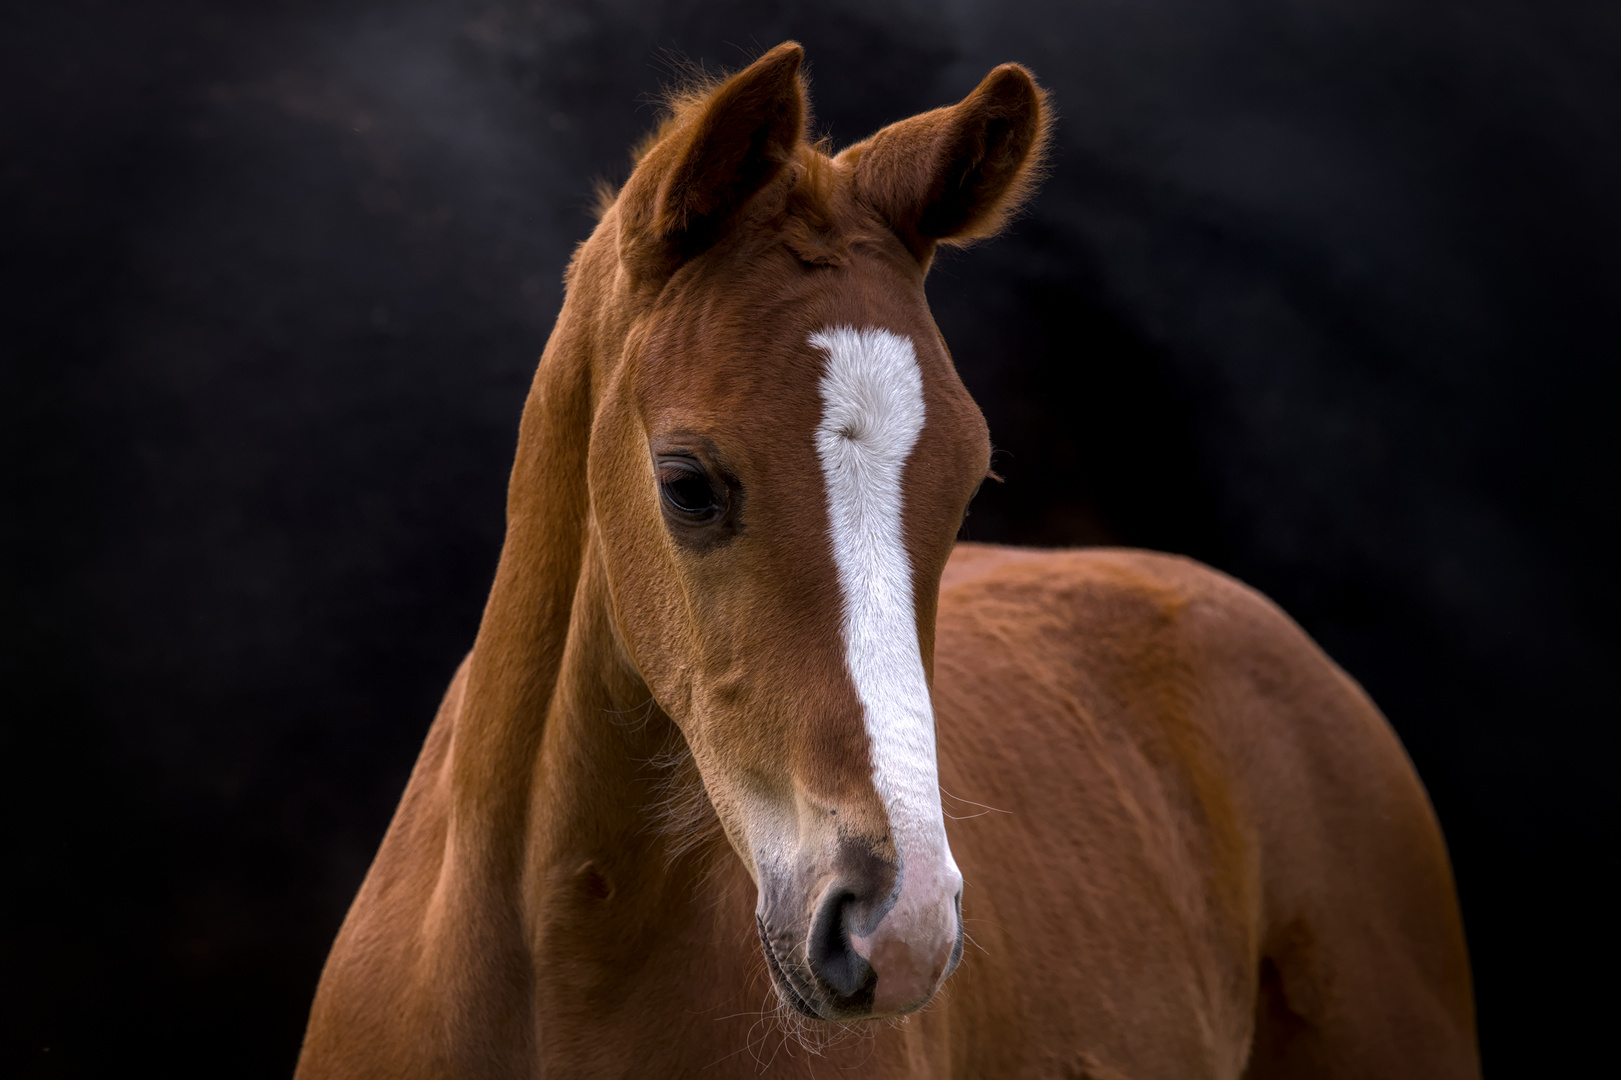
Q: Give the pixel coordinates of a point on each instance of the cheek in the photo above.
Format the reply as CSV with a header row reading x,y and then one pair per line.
x,y
648,615
694,636
650,635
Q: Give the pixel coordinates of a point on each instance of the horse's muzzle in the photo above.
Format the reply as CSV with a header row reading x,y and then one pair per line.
x,y
867,953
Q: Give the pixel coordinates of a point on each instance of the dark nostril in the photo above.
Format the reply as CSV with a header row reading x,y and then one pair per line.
x,y
956,948
831,955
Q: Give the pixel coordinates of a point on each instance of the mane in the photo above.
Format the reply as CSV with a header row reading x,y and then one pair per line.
x,y
813,229
676,103
679,100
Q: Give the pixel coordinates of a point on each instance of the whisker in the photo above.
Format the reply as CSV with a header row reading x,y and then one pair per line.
x,y
971,802
640,722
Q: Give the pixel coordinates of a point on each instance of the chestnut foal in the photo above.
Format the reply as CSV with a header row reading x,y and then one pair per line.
x,y
692,766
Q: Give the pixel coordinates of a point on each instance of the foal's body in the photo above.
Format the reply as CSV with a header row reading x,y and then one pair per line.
x,y
1191,842
1250,868
689,769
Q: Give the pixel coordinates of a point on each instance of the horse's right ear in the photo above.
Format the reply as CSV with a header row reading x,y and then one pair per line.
x,y
955,174
708,160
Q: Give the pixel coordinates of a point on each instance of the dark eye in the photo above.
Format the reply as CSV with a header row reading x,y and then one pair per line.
x,y
687,488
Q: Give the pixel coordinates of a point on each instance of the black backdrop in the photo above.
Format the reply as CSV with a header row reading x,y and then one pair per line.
x,y
1322,293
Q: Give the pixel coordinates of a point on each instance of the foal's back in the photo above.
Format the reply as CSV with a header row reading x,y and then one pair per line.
x,y
1214,847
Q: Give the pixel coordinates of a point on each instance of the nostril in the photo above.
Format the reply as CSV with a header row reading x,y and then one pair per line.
x,y
834,960
956,947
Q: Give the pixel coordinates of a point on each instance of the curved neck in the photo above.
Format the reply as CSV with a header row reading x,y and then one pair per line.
x,y
572,796
513,671
516,658
556,730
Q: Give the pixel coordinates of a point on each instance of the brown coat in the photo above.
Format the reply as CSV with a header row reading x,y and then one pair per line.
x,y
1190,845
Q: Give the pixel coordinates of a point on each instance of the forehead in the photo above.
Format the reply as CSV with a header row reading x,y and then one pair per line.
x,y
730,349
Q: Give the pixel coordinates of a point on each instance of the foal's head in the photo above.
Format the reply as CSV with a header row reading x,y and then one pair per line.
x,y
779,464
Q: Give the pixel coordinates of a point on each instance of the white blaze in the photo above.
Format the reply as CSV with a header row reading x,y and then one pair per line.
x,y
872,413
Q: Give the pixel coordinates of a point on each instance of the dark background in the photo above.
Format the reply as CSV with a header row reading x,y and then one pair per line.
x,y
1325,294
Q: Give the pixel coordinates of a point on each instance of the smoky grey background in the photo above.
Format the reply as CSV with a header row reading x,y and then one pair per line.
x,y
1322,293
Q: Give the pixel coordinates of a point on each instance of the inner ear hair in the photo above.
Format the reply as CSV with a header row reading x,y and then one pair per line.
x,y
717,149
956,174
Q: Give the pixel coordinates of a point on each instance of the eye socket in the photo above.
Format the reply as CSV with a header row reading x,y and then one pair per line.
x,y
686,489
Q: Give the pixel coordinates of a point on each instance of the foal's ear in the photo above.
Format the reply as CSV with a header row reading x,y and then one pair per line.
x,y
955,174
710,157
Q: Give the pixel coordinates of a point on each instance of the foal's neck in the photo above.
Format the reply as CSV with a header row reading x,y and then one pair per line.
x,y
611,764
612,863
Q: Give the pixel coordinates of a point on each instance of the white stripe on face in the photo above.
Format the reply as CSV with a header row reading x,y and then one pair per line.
x,y
872,414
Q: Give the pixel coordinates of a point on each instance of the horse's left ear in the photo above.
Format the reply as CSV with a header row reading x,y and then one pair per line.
x,y
955,174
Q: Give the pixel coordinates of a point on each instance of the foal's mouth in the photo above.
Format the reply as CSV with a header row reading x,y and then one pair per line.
x,y
779,976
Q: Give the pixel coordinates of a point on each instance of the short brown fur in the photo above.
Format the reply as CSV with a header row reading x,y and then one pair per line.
x,y
1192,846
